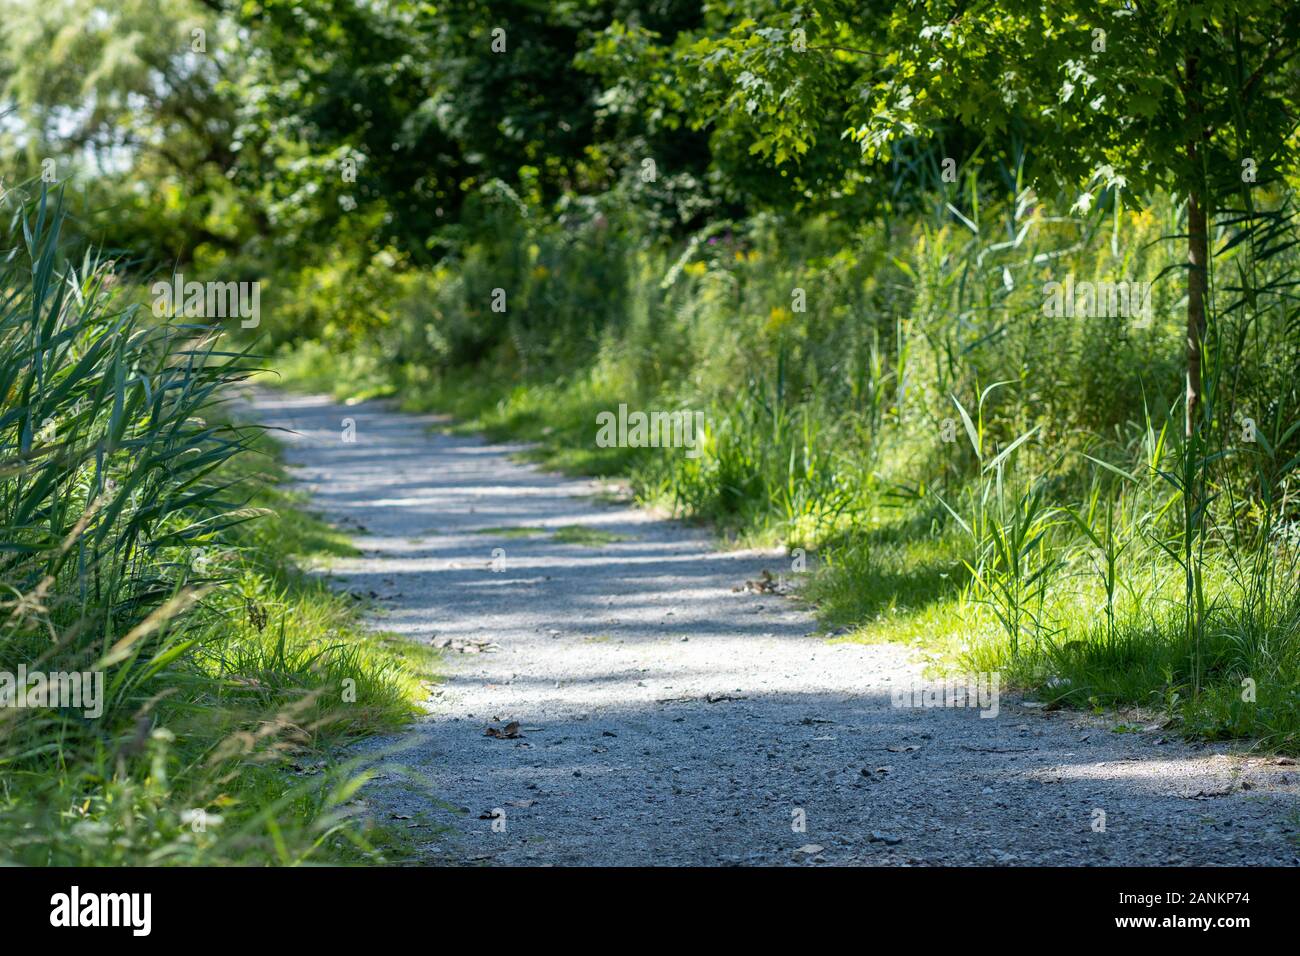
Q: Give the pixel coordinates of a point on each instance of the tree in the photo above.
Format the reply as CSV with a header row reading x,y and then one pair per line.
x,y
1200,98
132,102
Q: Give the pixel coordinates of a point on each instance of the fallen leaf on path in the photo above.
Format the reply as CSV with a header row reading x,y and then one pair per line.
x,y
1211,794
509,732
465,647
766,584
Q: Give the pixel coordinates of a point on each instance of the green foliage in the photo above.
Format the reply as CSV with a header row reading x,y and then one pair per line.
x,y
140,544
1115,92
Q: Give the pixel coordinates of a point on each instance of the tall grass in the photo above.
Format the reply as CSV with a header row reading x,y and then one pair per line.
x,y
125,507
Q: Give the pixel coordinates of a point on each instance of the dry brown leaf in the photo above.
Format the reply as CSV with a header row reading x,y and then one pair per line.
x,y
509,732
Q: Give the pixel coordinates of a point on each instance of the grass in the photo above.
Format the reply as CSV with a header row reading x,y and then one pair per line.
x,y
248,742
565,534
584,535
147,541
269,584
511,531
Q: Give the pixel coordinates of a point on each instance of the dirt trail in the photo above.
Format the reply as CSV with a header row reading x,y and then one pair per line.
x,y
668,719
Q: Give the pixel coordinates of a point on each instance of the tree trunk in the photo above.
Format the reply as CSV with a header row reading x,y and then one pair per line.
x,y
1194,470
1196,286
1196,244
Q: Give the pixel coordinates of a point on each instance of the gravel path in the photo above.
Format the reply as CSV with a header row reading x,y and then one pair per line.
x,y
666,718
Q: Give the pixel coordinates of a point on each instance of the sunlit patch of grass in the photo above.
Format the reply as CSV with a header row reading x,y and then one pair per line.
x,y
344,374
294,530
510,531
859,582
558,418
938,627
565,534
585,535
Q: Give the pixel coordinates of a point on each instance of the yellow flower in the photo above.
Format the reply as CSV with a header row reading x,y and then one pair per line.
x,y
540,272
1142,219
695,269
778,318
